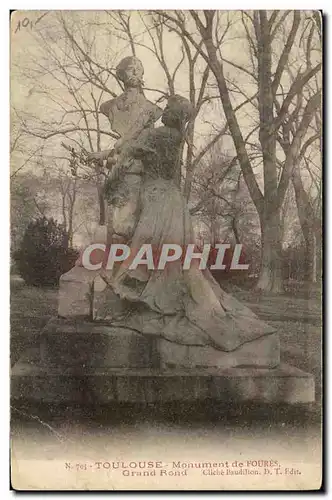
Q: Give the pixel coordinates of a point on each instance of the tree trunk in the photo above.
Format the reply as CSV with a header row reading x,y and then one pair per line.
x,y
189,160
308,263
237,137
270,278
235,231
70,237
307,222
311,257
70,231
102,210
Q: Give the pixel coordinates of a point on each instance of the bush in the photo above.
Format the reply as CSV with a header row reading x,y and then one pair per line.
x,y
43,256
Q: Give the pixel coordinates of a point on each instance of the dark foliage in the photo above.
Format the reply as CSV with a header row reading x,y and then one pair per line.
x,y
43,255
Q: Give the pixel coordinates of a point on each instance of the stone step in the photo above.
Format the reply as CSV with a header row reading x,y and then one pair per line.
x,y
33,380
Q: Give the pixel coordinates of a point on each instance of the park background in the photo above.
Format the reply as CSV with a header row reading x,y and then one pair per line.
x,y
60,73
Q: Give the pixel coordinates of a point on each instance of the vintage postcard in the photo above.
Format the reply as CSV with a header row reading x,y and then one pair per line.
x,y
166,250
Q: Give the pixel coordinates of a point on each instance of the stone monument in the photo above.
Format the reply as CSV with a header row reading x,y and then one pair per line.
x,y
154,335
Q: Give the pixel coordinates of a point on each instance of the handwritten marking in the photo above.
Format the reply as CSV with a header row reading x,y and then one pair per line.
x,y
41,17
27,23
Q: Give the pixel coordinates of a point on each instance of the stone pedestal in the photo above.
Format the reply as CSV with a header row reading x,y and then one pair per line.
x,y
83,362
263,352
69,342
33,380
77,343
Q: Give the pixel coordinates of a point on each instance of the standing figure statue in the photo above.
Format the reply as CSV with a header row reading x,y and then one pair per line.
x,y
129,114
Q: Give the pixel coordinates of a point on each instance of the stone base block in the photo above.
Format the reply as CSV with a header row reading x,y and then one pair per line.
x,y
36,381
67,343
263,352
75,292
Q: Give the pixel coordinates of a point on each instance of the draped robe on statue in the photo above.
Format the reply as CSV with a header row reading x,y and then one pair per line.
x,y
186,307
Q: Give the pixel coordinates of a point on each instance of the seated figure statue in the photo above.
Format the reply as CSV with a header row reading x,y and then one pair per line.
x,y
186,309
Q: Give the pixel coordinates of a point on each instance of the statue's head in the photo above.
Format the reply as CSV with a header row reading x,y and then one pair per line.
x,y
177,112
130,71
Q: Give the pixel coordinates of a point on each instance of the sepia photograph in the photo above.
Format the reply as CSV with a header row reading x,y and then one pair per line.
x,y
166,250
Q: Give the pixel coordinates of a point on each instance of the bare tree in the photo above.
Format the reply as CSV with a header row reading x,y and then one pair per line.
x,y
307,157
73,86
266,69
221,200
24,206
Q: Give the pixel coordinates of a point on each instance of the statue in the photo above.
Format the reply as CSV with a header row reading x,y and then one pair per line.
x,y
129,114
184,308
187,311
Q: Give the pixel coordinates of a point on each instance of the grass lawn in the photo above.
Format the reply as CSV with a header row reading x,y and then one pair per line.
x,y
30,310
